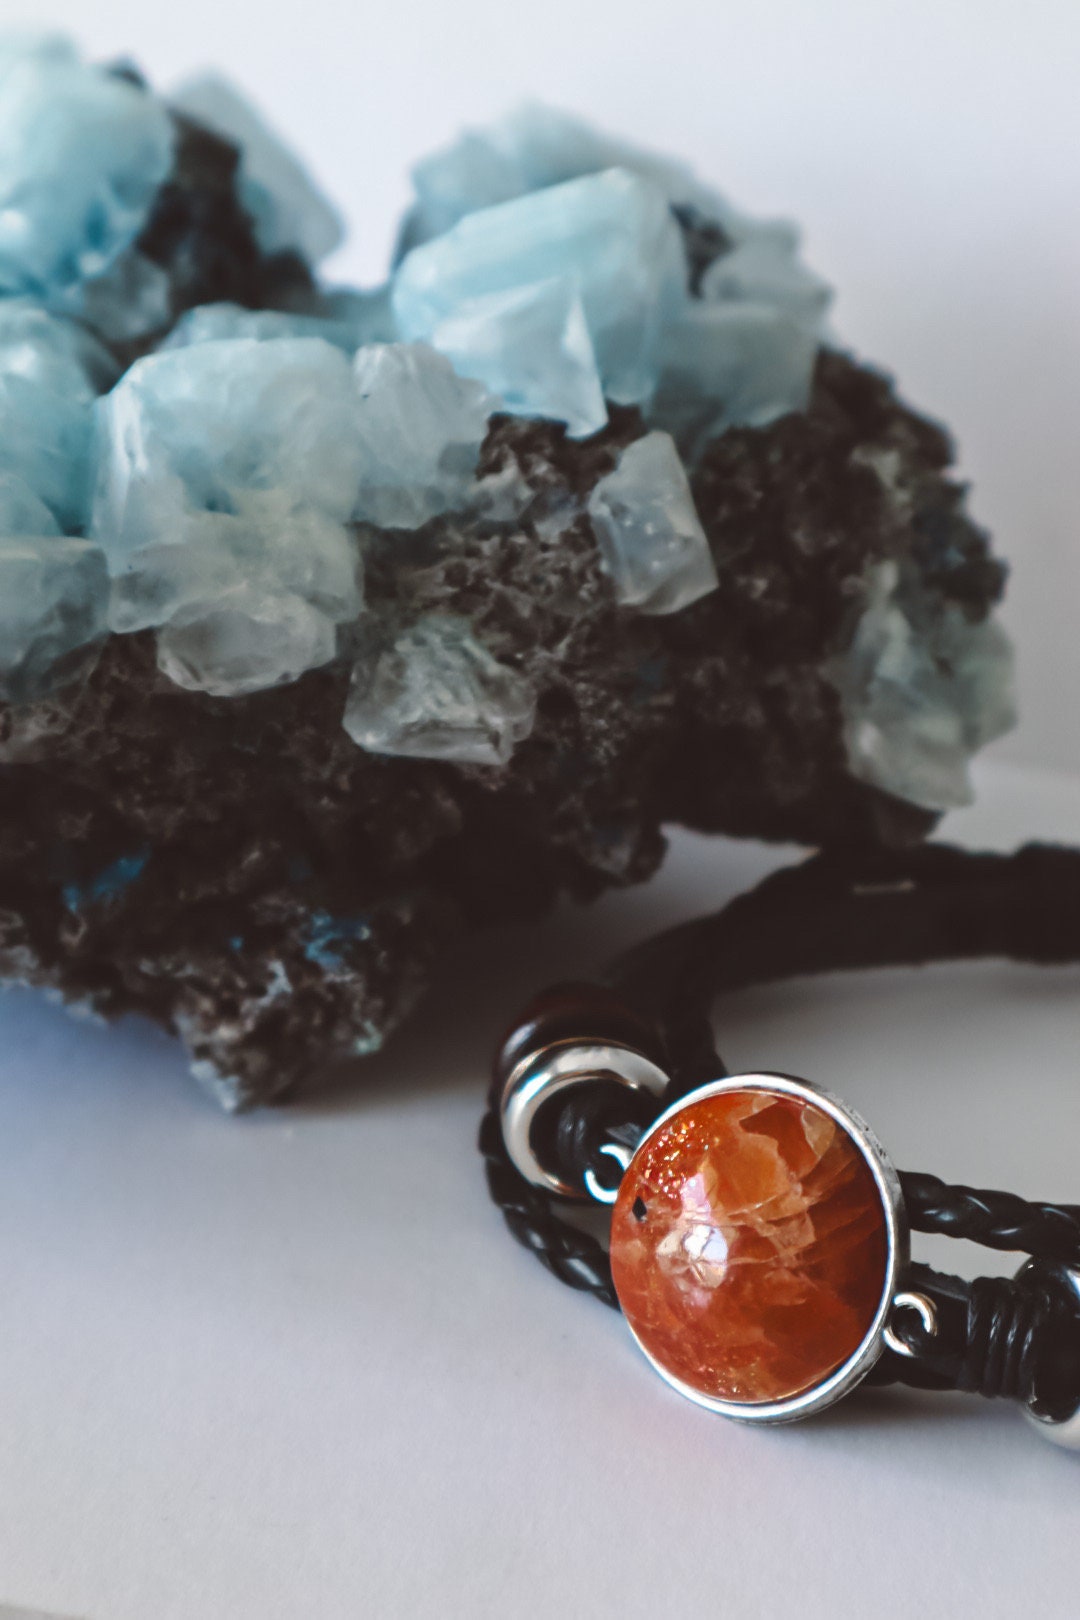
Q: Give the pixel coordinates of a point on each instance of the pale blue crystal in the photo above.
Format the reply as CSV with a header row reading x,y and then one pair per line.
x,y
532,148
53,602
764,269
421,428
365,313
531,347
289,210
212,323
50,370
283,550
436,693
16,44
347,318
53,351
45,439
646,525
724,365
82,155
215,430
130,301
21,511
703,371
244,641
612,234
227,476
922,689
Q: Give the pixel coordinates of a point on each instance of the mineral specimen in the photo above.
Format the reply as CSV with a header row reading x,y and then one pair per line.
x,y
333,620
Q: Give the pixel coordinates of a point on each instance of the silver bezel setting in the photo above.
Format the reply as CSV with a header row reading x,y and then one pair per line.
x,y
844,1379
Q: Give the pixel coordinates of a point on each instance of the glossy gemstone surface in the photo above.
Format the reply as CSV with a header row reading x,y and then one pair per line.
x,y
749,1246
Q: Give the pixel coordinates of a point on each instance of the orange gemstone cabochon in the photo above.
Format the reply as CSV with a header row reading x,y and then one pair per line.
x,y
749,1245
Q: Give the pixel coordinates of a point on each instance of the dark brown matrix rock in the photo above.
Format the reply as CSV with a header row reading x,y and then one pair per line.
x,y
239,870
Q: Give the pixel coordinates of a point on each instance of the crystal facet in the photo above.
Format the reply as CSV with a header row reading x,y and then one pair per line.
x,y
45,439
21,511
436,693
214,323
82,154
749,1246
648,530
50,370
765,269
531,149
52,351
233,464
54,597
208,432
128,303
421,428
531,347
244,641
923,689
611,234
730,365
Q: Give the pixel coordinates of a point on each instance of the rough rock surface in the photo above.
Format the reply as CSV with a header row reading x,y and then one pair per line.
x,y
379,655
240,870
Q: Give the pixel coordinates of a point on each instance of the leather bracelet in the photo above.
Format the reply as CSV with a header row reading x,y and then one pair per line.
x,y
759,1232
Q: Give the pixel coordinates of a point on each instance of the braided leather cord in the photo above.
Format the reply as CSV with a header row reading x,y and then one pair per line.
x,y
996,1220
573,1256
828,914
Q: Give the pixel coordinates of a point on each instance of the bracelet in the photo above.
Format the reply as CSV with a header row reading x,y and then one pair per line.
x,y
759,1242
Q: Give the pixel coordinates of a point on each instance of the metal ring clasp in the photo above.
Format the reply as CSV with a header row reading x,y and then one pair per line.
x,y
608,1195
924,1309
1059,1430
553,1069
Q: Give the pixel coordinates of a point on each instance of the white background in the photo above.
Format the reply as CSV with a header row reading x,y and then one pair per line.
x,y
290,1366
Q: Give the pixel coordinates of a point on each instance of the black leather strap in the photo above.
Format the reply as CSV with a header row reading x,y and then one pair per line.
x,y
933,903
872,909
997,1220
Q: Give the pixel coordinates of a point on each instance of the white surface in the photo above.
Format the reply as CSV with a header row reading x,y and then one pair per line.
x,y
292,1366
930,148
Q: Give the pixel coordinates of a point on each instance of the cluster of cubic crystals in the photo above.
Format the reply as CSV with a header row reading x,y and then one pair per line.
x,y
213,473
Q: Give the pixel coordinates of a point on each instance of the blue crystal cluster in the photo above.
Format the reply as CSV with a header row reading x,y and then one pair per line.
x,y
216,474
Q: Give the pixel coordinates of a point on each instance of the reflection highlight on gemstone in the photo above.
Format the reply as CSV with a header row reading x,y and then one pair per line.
x,y
750,1246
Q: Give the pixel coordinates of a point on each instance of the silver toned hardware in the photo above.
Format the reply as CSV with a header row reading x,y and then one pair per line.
x,y
925,1310
1060,1431
854,1370
622,1156
555,1068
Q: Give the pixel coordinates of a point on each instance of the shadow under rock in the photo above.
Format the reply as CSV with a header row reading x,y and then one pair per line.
x,y
489,975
